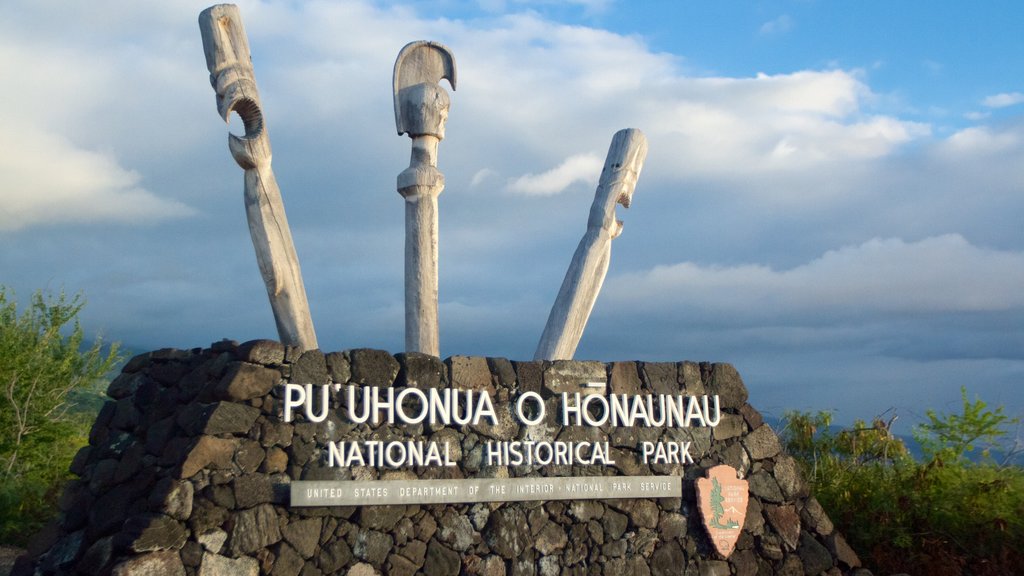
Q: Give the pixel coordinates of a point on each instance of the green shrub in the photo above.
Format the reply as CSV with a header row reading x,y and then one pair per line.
x,y
942,515
45,371
953,436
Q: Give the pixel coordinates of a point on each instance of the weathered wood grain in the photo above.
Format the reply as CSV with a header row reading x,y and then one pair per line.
x,y
421,110
589,265
234,81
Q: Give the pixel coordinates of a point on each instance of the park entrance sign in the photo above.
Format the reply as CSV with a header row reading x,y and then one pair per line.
x,y
193,468
410,406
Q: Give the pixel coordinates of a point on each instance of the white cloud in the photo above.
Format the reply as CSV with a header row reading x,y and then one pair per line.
x,y
568,86
831,93
480,177
48,180
74,110
779,25
881,276
772,136
579,168
1003,100
980,139
548,88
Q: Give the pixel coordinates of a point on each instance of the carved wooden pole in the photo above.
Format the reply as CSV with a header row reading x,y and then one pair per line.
x,y
586,273
234,81
421,109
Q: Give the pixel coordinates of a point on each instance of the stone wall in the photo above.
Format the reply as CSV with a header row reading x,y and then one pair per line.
x,y
189,463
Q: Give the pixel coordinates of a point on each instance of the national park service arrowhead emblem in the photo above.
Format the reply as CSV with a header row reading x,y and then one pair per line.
x,y
723,506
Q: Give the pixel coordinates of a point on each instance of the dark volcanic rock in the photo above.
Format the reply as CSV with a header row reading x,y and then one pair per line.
x,y
303,535
762,443
189,469
815,557
172,497
667,560
218,418
164,563
373,367
441,561
152,532
264,352
507,533
420,370
310,368
725,381
254,528
244,381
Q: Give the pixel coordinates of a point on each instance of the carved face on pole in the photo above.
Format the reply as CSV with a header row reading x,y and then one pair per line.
x,y
421,104
618,180
424,109
622,176
235,88
234,81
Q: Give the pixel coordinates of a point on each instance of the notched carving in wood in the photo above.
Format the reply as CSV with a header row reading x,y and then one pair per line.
x,y
234,82
586,273
421,104
421,111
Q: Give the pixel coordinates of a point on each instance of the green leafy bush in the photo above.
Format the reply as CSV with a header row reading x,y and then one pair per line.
x,y
942,515
953,436
45,372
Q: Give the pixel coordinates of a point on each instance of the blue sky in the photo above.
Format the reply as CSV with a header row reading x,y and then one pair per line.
x,y
928,60
831,200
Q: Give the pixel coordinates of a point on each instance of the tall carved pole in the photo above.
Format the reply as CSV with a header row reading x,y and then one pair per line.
x,y
234,81
586,273
421,109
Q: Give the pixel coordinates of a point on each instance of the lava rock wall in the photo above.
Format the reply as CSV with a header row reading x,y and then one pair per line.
x,y
188,468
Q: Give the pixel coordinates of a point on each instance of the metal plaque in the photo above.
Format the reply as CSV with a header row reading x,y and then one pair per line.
x,y
466,490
